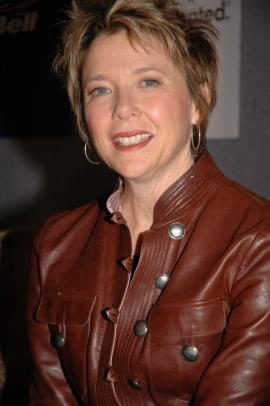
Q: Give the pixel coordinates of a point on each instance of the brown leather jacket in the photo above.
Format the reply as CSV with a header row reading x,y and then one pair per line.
x,y
102,334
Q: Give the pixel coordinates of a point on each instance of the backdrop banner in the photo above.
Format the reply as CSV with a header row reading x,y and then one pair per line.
x,y
226,15
33,102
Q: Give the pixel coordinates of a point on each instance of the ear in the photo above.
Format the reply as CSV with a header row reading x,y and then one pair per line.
x,y
196,112
205,92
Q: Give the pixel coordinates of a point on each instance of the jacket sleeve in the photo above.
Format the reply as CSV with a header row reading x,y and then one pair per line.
x,y
239,375
49,385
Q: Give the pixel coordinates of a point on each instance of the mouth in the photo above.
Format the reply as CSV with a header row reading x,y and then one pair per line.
x,y
131,140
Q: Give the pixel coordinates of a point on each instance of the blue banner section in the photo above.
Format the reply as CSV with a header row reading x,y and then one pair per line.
x,y
33,102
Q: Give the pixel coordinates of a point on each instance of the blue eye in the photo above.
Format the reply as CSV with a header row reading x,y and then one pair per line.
x,y
100,91
149,83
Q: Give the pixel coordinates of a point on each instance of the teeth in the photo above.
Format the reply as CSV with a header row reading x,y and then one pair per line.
x,y
134,140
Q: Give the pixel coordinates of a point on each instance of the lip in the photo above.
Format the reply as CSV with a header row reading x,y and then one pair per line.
x,y
129,133
123,146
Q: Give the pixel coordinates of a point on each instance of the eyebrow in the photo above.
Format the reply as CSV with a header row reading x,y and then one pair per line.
x,y
145,69
96,78
137,71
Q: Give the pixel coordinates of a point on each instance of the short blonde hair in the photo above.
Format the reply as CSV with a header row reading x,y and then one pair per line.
x,y
189,42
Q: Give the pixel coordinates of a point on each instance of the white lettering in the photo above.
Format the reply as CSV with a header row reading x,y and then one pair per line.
x,y
30,20
27,23
14,26
218,14
3,21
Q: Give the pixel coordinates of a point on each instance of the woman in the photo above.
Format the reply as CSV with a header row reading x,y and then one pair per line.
x,y
162,296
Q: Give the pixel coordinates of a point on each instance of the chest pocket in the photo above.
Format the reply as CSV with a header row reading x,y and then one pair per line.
x,y
56,308
69,321
183,339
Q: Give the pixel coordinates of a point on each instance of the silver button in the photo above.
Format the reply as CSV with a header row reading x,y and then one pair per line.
x,y
58,340
190,353
110,375
140,328
134,384
176,231
161,281
112,314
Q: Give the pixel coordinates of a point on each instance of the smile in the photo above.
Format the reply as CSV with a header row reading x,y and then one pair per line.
x,y
133,140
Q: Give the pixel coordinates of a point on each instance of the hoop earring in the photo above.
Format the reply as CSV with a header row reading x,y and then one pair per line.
x,y
86,145
196,138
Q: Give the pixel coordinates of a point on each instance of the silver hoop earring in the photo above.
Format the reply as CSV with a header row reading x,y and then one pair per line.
x,y
86,146
196,138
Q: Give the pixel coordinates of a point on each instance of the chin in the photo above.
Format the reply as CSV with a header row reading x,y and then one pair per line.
x,y
127,167
132,173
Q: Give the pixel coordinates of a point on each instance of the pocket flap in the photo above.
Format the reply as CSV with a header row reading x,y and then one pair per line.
x,y
188,319
59,308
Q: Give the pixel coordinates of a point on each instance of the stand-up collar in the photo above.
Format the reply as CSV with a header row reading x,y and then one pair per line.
x,y
184,194
201,179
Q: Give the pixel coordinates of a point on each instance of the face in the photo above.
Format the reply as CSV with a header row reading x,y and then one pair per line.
x,y
138,108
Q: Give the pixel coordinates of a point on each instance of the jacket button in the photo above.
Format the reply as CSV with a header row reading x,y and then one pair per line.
x,y
117,218
176,231
134,384
112,314
111,375
58,340
190,353
161,281
140,328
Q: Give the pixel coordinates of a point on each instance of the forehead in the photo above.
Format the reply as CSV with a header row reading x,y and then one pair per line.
x,y
121,51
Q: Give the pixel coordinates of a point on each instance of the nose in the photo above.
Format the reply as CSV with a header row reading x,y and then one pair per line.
x,y
124,105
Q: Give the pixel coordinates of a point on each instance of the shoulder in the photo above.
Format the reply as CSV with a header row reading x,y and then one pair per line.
x,y
66,225
225,195
239,202
231,210
247,216
245,195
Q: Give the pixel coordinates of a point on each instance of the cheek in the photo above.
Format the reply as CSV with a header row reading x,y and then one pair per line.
x,y
88,117
95,119
99,127
157,109
184,106
168,108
